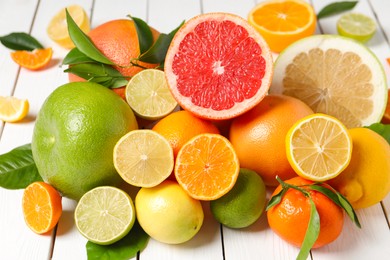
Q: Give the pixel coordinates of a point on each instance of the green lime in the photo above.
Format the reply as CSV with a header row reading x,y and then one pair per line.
x,y
74,136
356,26
104,215
149,96
243,204
168,214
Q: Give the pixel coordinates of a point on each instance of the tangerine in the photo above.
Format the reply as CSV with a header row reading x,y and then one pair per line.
x,y
289,219
258,136
33,60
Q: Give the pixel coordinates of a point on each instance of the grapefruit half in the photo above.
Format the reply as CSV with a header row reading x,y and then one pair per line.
x,y
218,66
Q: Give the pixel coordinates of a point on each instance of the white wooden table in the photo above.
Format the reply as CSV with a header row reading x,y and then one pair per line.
x,y
256,242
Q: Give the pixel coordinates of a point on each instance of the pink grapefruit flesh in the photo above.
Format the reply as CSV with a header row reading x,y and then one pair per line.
x,y
218,66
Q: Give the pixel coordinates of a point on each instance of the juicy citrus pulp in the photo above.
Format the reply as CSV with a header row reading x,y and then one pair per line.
x,y
318,147
168,214
58,28
32,60
75,133
243,204
104,215
334,75
282,22
207,166
42,207
13,109
356,26
218,66
148,95
143,158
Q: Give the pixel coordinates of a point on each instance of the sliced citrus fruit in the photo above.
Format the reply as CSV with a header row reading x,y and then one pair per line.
x,y
33,60
357,26
143,158
42,207
207,166
58,28
318,147
148,95
334,75
104,215
218,66
386,115
13,109
282,22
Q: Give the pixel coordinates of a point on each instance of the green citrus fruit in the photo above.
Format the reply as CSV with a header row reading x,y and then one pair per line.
x,y
75,134
168,214
243,204
357,26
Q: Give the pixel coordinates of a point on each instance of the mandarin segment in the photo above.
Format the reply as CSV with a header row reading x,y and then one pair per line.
x,y
33,60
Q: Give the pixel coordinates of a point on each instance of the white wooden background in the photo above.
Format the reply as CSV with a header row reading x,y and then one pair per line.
x,y
256,242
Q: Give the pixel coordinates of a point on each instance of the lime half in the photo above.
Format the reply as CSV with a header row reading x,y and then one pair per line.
x,y
148,95
356,26
104,215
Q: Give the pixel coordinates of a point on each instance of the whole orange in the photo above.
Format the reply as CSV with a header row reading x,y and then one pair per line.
x,y
258,136
179,127
289,219
118,41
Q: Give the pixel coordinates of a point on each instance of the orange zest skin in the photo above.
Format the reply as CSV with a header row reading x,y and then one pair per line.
x,y
42,207
33,60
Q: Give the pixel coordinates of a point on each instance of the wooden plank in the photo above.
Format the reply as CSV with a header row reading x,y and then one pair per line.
x,y
240,8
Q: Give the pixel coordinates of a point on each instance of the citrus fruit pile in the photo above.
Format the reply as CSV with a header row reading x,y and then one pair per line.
x,y
297,126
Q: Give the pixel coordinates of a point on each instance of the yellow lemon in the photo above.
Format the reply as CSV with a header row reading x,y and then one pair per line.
x,y
366,180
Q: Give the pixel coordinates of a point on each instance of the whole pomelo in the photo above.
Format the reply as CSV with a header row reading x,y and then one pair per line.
x,y
258,136
74,136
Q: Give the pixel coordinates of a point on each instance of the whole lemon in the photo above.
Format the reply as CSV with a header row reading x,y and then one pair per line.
x,y
366,180
74,136
243,204
167,213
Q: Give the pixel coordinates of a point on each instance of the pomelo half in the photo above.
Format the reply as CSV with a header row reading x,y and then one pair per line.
x,y
218,66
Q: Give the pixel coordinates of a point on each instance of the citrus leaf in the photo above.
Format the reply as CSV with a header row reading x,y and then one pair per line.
x,y
383,130
158,51
99,73
75,56
20,41
84,43
276,199
125,248
336,8
18,169
312,232
145,36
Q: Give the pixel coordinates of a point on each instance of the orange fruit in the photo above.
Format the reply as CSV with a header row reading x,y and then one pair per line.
x,y
42,207
386,115
282,22
179,127
258,136
289,219
32,60
218,66
207,166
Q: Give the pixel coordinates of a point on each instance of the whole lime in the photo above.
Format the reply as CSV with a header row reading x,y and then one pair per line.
x,y
243,204
167,213
74,136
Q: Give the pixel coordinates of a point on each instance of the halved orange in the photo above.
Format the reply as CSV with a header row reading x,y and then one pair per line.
x,y
282,22
33,60
207,166
42,207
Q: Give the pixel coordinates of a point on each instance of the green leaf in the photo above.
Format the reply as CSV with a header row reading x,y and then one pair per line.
x,y
125,248
18,169
145,36
312,232
276,199
158,51
99,73
84,43
383,130
75,56
336,8
20,41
